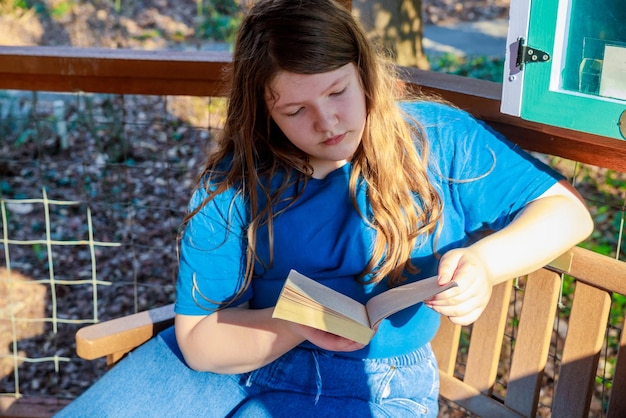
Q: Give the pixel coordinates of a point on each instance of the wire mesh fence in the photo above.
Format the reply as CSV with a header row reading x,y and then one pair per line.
x,y
92,192
604,191
93,189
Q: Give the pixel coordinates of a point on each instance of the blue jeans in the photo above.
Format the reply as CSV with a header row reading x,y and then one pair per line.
x,y
154,381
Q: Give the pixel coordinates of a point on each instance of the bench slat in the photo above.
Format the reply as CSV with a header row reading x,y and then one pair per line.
x,y
533,341
487,337
585,335
473,400
446,345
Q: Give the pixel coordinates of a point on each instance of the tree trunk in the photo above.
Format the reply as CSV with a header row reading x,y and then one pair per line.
x,y
396,25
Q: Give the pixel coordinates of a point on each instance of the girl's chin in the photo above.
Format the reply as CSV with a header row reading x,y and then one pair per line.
x,y
321,168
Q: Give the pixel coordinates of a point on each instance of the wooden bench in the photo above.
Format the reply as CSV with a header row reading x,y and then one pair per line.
x,y
596,277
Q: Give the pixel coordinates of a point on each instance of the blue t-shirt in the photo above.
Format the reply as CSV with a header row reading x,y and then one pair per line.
x,y
483,181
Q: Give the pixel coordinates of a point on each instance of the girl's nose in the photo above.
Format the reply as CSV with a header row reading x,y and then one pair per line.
x,y
326,119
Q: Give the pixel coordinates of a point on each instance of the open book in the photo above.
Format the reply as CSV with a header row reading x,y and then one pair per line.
x,y
307,302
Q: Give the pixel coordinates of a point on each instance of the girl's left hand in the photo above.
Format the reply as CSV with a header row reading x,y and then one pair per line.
x,y
462,304
326,340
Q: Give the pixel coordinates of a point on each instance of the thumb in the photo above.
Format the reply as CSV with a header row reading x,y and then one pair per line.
x,y
447,267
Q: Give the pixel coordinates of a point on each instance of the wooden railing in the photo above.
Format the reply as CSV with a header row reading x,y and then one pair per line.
x,y
482,99
201,74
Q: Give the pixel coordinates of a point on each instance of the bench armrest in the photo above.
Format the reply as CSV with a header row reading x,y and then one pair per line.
x,y
114,338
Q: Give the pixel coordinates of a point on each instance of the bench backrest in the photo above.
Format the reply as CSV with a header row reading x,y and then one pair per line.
x,y
522,372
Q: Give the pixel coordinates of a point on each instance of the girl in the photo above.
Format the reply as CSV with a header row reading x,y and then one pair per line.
x,y
322,170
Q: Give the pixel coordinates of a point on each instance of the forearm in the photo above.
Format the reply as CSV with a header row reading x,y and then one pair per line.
x,y
543,230
234,340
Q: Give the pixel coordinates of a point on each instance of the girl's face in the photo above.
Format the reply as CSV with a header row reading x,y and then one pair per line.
x,y
321,114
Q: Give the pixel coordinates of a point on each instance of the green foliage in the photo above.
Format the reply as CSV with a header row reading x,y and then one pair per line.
x,y
17,126
5,188
216,20
567,294
61,9
7,6
481,67
617,309
219,21
605,192
149,34
40,251
228,7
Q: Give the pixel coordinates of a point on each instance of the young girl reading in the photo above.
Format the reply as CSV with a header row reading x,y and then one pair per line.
x,y
322,168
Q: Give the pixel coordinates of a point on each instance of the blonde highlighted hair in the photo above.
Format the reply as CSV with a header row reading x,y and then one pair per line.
x,y
311,37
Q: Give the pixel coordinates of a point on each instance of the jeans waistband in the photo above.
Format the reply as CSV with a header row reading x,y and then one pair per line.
x,y
414,357
317,372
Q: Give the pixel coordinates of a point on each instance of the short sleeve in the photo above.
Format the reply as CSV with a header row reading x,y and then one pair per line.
x,y
212,254
485,177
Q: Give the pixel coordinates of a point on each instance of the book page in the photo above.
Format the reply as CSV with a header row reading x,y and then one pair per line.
x,y
401,297
320,317
331,299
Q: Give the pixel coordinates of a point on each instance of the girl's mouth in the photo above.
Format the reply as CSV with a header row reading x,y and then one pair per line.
x,y
335,139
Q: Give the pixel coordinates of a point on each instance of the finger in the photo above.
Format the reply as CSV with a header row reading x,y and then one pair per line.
x,y
462,321
333,342
462,302
446,297
467,319
463,291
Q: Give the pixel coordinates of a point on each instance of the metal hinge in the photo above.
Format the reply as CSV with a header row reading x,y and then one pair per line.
x,y
527,54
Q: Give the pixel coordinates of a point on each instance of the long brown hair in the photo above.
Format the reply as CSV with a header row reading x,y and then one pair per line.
x,y
311,37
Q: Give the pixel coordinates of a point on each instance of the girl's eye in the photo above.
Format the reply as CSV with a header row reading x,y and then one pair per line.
x,y
339,93
292,114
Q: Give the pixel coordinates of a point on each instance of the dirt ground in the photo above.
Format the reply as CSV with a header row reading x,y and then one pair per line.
x,y
154,24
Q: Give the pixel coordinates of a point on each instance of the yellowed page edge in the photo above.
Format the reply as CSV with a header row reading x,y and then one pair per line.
x,y
332,299
292,311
